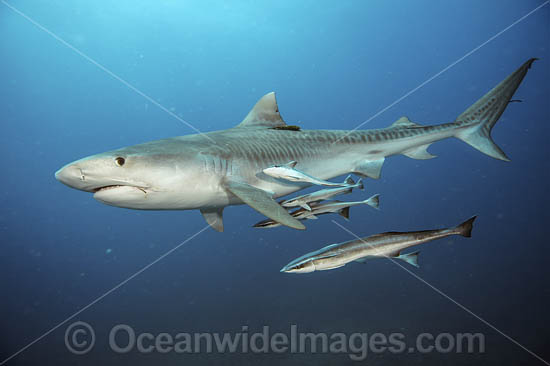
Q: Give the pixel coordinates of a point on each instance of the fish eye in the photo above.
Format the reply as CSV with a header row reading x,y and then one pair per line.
x,y
120,161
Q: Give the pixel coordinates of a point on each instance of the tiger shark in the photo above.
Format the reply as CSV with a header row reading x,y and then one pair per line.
x,y
217,169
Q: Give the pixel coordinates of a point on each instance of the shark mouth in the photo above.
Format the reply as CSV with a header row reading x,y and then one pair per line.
x,y
115,186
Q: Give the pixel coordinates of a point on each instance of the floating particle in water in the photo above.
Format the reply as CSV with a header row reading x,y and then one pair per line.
x,y
108,251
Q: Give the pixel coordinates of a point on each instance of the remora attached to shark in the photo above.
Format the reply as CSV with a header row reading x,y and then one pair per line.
x,y
323,194
288,172
221,168
317,208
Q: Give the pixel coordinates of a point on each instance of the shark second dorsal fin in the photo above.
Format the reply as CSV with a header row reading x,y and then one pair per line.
x,y
404,122
264,114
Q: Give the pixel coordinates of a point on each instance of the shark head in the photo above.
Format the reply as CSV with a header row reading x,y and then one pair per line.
x,y
140,177
299,266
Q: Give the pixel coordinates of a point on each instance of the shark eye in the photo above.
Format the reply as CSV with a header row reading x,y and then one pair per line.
x,y
119,161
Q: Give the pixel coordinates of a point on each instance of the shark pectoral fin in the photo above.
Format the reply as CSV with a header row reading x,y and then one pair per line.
x,y
420,152
362,260
344,213
263,202
370,168
411,258
214,217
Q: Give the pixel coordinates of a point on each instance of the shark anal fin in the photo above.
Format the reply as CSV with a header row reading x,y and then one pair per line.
x,y
214,217
420,152
370,168
264,203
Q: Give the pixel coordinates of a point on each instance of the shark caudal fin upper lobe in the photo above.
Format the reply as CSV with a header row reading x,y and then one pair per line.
x,y
476,123
465,229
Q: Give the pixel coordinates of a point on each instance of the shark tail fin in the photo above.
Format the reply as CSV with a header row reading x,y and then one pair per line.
x,y
475,124
465,229
373,201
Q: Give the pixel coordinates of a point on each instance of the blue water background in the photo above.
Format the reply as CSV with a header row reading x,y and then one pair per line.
x,y
333,66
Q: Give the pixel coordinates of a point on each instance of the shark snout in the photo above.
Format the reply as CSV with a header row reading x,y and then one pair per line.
x,y
70,175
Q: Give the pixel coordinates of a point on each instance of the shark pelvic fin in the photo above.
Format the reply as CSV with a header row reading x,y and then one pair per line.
x,y
264,203
420,152
264,114
404,122
370,168
214,217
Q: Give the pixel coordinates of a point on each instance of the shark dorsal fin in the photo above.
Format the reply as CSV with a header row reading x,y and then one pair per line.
x,y
264,114
404,122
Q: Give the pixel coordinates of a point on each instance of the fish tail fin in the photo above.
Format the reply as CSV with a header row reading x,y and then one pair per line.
x,y
344,213
373,201
349,180
465,229
360,184
475,124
